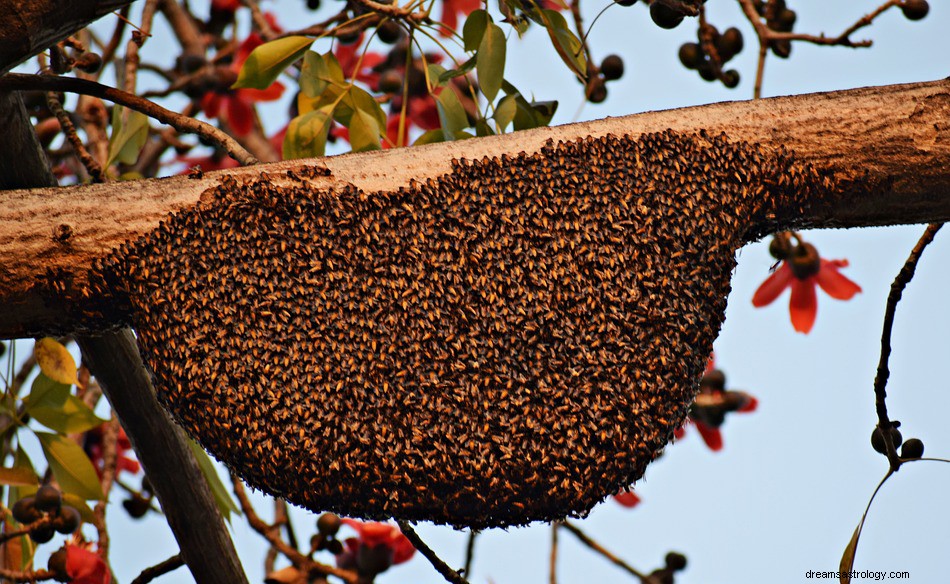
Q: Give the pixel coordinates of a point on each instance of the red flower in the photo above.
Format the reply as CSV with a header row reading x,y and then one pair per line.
x,y
239,103
93,447
85,567
450,14
225,5
708,411
627,498
349,55
379,546
801,272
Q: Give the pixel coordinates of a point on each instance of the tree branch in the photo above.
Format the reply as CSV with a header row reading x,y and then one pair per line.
x,y
19,81
895,137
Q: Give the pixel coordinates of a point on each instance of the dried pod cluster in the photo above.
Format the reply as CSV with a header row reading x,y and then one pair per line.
x,y
510,342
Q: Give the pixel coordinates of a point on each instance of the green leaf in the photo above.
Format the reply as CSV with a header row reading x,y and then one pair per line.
x,y
53,405
544,111
435,73
79,504
359,100
306,135
267,62
474,29
55,360
505,112
18,477
462,70
129,134
71,467
221,494
364,132
565,43
482,129
491,61
451,113
317,72
430,137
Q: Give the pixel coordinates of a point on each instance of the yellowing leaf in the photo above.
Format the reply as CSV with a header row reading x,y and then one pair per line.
x,y
306,135
268,61
221,494
71,467
18,477
129,134
55,360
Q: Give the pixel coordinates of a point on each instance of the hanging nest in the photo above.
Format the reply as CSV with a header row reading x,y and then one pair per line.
x,y
511,342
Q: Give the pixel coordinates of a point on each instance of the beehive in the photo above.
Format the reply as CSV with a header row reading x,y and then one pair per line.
x,y
511,342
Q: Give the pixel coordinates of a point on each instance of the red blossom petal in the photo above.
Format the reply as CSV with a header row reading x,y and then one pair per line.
x,y
250,95
450,12
750,405
679,432
711,436
833,282
627,499
392,132
211,104
773,286
244,51
402,548
85,567
240,116
229,5
803,306
710,364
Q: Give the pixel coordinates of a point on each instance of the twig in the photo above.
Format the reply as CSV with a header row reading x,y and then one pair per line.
x,y
25,575
441,567
579,25
905,275
108,51
553,563
20,81
299,560
184,26
470,552
260,21
152,572
109,456
132,47
91,164
586,540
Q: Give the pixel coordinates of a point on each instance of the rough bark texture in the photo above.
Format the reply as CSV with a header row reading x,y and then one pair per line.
x,y
114,358
169,463
895,137
31,27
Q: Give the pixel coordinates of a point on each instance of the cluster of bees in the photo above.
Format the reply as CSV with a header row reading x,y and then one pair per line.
x,y
510,342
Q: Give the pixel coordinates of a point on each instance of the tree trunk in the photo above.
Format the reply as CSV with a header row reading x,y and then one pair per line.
x,y
893,140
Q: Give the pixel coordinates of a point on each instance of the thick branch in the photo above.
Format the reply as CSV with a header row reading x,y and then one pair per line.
x,y
169,463
31,27
896,137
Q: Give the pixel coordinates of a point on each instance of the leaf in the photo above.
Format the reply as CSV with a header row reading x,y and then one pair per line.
x,y
79,504
71,467
436,73
491,61
316,74
364,132
505,112
18,477
847,559
451,113
267,62
55,360
53,405
462,70
306,135
482,129
221,495
474,29
129,134
430,137
359,100
565,43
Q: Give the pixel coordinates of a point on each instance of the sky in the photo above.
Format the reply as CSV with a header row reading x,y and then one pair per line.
x,y
784,495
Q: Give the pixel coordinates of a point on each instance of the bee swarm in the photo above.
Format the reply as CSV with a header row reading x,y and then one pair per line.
x,y
511,342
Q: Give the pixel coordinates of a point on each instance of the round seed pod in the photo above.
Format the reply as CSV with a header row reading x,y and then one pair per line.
x,y
510,342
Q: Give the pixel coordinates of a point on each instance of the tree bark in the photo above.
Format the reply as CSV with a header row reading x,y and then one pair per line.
x,y
32,27
114,358
896,137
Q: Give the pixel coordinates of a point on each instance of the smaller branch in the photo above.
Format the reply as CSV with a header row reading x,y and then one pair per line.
x,y
109,458
586,540
91,164
553,563
108,51
184,26
579,25
441,567
260,21
132,47
299,560
152,572
25,575
470,552
21,81
904,277
390,10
